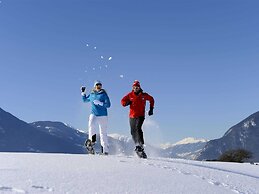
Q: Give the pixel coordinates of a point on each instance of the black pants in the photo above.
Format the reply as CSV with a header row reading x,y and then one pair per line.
x,y
136,130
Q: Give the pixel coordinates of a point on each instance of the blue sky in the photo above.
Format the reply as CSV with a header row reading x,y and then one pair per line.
x,y
198,59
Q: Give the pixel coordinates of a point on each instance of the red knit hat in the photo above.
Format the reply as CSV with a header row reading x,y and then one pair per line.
x,y
136,83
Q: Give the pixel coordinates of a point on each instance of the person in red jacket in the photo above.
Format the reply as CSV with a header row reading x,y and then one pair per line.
x,y
136,99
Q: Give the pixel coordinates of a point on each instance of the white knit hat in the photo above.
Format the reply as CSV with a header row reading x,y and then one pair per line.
x,y
97,82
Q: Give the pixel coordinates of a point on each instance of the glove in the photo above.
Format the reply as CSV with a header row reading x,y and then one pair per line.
x,y
127,103
150,112
98,102
83,90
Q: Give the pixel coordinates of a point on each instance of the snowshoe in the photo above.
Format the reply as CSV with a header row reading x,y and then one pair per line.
x,y
89,146
104,154
140,152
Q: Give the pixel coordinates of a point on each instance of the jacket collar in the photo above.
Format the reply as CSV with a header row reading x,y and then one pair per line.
x,y
140,91
94,91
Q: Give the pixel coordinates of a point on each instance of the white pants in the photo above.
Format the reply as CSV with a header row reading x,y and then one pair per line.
x,y
102,121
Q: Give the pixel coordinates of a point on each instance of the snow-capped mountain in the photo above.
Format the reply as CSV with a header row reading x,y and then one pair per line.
x,y
53,137
58,137
187,148
190,140
19,136
120,144
244,135
119,137
124,145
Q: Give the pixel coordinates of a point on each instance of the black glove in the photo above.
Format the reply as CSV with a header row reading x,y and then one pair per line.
x,y
83,89
128,103
150,112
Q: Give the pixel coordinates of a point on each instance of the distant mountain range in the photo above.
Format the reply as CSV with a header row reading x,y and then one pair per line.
x,y
57,137
19,136
244,135
187,148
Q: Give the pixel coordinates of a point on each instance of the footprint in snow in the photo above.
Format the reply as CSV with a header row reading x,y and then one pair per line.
x,y
210,181
11,189
214,182
42,188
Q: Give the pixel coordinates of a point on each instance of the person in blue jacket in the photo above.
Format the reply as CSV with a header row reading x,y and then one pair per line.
x,y
100,101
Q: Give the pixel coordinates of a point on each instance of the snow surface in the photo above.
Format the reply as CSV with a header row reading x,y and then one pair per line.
x,y
65,173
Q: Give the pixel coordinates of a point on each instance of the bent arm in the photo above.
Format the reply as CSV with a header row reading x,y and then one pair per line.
x,y
86,98
125,101
151,101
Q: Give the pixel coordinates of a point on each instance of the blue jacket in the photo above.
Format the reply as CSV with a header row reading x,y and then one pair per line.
x,y
102,96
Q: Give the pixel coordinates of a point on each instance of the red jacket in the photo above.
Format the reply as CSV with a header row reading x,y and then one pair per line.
x,y
137,103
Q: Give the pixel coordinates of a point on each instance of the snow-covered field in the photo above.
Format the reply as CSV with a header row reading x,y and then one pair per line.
x,y
65,173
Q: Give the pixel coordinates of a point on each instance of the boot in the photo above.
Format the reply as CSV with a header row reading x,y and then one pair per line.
x,y
102,152
140,151
89,146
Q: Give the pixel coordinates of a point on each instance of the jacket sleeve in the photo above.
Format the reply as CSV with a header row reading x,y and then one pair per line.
x,y
107,102
125,100
86,98
151,100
